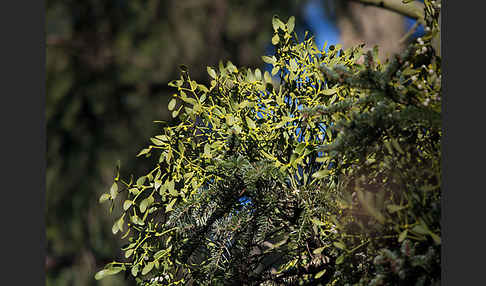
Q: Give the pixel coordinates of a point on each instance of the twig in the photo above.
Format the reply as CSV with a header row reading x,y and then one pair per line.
x,y
413,10
410,32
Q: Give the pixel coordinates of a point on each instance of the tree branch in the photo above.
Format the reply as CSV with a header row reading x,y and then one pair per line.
x,y
409,33
413,10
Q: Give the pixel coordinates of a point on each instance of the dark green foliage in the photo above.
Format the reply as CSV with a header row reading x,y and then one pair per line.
x,y
327,173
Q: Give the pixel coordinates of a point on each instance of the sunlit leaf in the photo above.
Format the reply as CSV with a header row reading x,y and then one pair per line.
x,y
340,259
114,190
291,24
148,267
211,72
170,206
104,197
250,123
172,104
320,273
107,272
402,236
320,174
275,39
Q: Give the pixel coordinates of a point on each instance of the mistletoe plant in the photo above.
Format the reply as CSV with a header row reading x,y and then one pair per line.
x,y
324,171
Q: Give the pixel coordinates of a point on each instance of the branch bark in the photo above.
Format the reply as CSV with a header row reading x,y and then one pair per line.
x,y
413,10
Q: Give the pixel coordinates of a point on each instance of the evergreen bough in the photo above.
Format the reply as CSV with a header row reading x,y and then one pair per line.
x,y
325,171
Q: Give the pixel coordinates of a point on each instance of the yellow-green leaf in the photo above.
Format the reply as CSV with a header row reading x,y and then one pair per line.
x,y
143,205
211,72
207,150
141,180
329,91
170,206
395,208
157,184
402,235
319,250
144,151
300,148
277,23
250,123
202,98
320,174
171,188
147,268
317,222
114,228
157,141
107,272
114,190
267,77
162,253
275,70
162,137
420,229
175,113
291,24
268,60
230,120
293,65
120,223
129,253
339,245
435,237
321,159
134,191
320,273
258,74
134,270
104,197
397,146
172,104
275,39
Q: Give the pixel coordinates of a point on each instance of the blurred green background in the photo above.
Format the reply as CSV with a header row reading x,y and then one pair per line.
x,y
108,63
